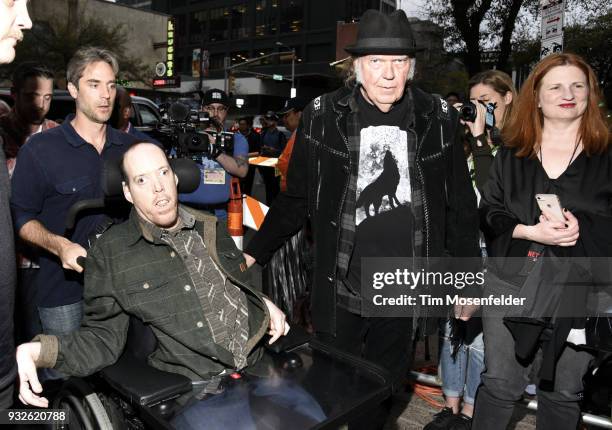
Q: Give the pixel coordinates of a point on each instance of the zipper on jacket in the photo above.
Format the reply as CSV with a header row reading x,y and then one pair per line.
x,y
441,152
422,179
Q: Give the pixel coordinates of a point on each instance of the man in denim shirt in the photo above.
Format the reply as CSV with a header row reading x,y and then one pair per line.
x,y
58,168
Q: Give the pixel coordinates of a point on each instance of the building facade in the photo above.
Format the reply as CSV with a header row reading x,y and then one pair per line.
x,y
229,32
146,30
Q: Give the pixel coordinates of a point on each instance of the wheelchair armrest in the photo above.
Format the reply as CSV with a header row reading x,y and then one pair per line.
x,y
297,336
142,383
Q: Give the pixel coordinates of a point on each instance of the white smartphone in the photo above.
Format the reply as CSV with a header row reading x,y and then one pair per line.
x,y
552,205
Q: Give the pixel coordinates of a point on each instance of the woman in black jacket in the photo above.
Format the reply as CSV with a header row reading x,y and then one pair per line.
x,y
556,143
462,349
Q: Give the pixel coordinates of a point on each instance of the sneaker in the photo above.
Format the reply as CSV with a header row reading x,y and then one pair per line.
x,y
441,420
461,422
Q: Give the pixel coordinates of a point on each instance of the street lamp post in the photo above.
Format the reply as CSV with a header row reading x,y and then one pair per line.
x,y
293,92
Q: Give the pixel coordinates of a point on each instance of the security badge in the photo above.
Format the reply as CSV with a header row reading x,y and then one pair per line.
x,y
213,176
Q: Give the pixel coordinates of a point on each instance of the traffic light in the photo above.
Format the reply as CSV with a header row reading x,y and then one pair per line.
x,y
231,83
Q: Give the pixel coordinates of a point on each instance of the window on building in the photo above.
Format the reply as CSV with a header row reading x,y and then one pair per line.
x,y
180,24
216,61
356,8
197,23
239,57
219,24
320,52
285,55
269,60
198,20
388,7
266,14
292,16
240,21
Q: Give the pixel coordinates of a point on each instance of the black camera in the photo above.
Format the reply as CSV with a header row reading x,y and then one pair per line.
x,y
193,134
467,112
206,143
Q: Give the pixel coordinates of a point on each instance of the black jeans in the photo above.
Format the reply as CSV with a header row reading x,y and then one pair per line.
x,y
386,342
505,379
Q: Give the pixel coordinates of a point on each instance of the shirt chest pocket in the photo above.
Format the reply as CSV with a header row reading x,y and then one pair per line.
x,y
74,185
153,299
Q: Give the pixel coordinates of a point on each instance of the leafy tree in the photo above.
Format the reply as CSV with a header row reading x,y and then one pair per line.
x,y
473,26
55,42
591,40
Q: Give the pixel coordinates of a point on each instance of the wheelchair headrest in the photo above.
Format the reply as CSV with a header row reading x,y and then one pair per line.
x,y
186,170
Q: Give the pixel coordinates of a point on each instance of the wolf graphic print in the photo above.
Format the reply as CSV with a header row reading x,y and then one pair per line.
x,y
383,183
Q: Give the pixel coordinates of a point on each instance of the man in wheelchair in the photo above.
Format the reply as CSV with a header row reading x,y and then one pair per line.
x,y
177,271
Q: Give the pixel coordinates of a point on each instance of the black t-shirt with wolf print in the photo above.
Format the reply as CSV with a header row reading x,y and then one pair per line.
x,y
383,218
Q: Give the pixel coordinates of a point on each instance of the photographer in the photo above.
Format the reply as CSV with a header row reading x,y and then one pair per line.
x,y
218,166
491,94
462,353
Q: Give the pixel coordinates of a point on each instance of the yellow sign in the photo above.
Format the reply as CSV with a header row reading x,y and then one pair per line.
x,y
170,49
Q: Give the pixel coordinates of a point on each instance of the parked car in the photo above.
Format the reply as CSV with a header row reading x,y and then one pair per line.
x,y
145,116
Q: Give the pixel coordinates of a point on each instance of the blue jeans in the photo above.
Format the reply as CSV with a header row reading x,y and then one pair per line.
x,y
59,321
258,403
461,375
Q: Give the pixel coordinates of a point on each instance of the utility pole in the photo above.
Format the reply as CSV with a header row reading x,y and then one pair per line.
x,y
293,92
200,73
226,68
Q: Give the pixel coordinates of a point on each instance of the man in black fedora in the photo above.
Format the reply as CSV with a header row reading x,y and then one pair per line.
x,y
378,167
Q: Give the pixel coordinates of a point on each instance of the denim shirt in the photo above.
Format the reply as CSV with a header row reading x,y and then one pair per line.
x,y
56,169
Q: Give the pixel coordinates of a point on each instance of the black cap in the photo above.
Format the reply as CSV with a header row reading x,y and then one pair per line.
x,y
379,33
296,103
271,115
215,96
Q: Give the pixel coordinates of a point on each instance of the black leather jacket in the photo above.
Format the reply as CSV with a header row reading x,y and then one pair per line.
x,y
318,180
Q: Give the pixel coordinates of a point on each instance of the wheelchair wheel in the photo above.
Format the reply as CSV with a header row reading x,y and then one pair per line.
x,y
86,409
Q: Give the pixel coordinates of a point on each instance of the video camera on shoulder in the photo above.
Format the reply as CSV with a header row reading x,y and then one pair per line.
x,y
193,134
467,112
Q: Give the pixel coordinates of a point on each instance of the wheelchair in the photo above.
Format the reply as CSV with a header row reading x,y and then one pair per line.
x,y
130,394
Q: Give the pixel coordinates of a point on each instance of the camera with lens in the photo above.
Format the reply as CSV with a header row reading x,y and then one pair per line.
x,y
193,134
467,112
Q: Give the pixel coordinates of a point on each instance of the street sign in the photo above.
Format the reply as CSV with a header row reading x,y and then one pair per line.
x,y
552,26
551,46
489,57
552,19
160,69
277,77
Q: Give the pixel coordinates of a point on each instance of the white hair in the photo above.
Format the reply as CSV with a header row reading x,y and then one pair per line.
x,y
358,74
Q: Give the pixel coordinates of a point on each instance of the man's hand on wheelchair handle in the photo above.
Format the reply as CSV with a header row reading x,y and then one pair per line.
x,y
69,252
29,385
278,322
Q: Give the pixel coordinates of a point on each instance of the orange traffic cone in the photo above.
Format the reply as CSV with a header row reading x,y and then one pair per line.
x,y
234,213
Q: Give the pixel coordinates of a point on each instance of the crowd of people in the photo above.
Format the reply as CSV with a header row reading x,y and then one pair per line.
x,y
376,169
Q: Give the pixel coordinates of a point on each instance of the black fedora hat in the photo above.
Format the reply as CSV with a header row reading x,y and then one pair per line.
x,y
379,33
